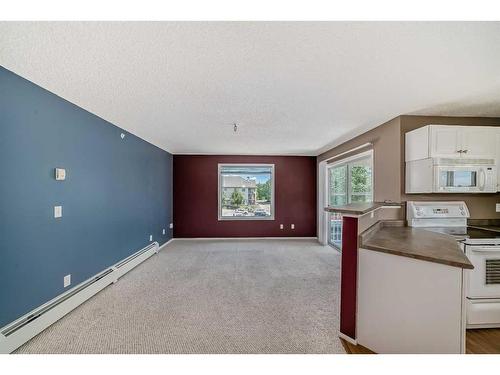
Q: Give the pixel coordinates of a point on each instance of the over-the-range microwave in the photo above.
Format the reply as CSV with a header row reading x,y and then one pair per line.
x,y
451,175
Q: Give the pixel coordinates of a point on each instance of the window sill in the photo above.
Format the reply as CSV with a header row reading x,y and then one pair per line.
x,y
246,218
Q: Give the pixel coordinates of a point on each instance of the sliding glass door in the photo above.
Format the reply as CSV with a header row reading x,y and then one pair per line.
x,y
337,188
349,181
360,180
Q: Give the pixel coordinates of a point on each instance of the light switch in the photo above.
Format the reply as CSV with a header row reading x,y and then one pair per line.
x,y
171,225
60,174
497,207
67,280
57,211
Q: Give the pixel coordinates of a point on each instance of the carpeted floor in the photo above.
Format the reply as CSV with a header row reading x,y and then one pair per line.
x,y
211,296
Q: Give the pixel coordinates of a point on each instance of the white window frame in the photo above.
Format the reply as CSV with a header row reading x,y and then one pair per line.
x,y
348,160
245,165
323,231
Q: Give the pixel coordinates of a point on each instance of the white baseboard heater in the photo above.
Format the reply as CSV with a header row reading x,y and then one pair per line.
x,y
15,334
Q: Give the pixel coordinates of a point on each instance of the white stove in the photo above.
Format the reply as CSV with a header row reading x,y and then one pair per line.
x,y
482,247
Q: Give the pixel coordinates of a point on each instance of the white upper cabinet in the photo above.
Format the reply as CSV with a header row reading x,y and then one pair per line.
x,y
479,142
450,141
445,141
417,144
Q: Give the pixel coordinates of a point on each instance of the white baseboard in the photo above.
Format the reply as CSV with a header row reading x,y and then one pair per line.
x,y
241,238
165,244
348,339
14,334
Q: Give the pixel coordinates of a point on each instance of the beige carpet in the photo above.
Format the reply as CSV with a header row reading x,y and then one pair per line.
x,y
211,296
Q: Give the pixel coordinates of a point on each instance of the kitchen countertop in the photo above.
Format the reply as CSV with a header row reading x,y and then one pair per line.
x,y
360,208
414,243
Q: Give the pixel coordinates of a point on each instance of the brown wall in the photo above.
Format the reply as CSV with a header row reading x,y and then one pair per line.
x,y
389,168
195,200
386,158
481,206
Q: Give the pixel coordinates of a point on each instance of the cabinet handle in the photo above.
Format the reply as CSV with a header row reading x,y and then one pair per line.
x,y
460,151
465,151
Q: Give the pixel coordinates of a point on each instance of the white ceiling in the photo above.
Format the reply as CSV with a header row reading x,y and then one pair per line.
x,y
293,87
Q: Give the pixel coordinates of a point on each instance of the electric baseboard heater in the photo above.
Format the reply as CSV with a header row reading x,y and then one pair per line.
x,y
15,334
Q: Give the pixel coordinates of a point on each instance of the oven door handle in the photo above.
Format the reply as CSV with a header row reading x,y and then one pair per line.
x,y
478,249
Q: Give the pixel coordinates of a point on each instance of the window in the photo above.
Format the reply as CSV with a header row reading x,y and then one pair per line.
x,y
349,181
246,191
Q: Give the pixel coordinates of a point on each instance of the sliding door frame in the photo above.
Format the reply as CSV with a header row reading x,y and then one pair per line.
x,y
324,190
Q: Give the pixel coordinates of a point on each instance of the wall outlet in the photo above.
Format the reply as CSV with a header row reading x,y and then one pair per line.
x,y
171,226
150,237
163,232
57,211
67,280
497,207
292,226
281,226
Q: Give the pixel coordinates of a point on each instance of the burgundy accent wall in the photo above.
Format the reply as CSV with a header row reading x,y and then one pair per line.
x,y
195,190
349,274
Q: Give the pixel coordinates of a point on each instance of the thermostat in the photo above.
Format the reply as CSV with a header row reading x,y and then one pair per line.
x,y
60,174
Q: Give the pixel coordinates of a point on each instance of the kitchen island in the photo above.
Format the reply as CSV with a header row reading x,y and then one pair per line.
x,y
411,291
404,287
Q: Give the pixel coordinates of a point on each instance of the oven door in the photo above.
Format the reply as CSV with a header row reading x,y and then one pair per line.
x,y
484,279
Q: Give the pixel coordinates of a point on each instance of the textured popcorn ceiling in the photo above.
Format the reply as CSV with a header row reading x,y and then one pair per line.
x,y
294,88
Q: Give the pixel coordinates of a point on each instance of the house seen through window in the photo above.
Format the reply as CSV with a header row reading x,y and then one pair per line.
x,y
246,191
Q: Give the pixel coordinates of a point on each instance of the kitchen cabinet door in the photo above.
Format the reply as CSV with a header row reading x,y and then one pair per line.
x,y
479,142
445,141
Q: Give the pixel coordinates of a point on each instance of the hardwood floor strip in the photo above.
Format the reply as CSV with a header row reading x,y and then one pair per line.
x,y
483,341
478,341
355,349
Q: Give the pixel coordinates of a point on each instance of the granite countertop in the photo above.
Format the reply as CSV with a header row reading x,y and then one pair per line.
x,y
360,208
415,243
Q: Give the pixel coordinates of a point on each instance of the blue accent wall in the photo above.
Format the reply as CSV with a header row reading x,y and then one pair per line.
x,y
117,192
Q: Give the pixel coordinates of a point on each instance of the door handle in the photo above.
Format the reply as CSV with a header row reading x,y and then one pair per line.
x,y
482,179
485,250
